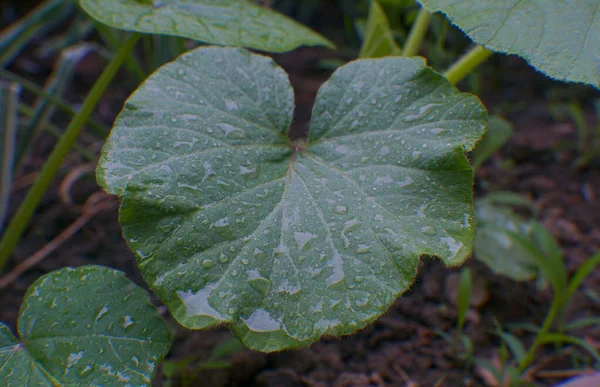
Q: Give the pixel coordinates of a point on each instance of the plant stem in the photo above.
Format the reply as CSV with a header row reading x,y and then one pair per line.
x,y
417,33
555,308
467,63
21,217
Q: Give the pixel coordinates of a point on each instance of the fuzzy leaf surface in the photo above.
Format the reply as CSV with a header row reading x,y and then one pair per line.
x,y
85,326
240,23
234,223
561,38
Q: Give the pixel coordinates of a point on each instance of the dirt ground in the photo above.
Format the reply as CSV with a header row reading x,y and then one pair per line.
x,y
402,347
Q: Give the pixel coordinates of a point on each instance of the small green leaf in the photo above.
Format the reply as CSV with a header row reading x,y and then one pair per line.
x,y
498,132
379,40
226,22
288,241
85,326
495,246
560,38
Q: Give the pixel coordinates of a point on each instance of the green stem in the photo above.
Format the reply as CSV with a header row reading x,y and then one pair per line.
x,y
417,33
467,63
555,308
21,218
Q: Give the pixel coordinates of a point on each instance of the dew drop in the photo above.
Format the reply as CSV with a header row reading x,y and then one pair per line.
x,y
341,210
208,263
362,249
85,371
234,273
223,258
258,253
429,231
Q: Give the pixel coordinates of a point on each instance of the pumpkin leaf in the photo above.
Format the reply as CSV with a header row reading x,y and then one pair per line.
x,y
85,326
560,38
286,241
225,22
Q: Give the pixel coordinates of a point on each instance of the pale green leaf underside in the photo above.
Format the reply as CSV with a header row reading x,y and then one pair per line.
x,y
232,223
561,38
379,40
85,326
495,246
225,22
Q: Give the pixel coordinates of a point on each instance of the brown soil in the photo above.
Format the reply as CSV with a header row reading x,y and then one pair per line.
x,y
403,346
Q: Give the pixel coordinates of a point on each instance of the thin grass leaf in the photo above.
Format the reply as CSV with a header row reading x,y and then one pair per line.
x,y
9,101
58,81
379,40
514,344
583,271
582,323
561,338
511,341
19,34
498,132
78,30
56,132
97,129
226,348
112,39
510,199
548,265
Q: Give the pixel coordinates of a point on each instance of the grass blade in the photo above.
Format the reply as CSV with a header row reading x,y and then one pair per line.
x,y
19,34
55,86
15,229
9,117
583,271
99,130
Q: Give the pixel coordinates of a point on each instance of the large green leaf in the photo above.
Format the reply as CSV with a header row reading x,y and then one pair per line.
x,y
226,22
89,326
286,241
558,37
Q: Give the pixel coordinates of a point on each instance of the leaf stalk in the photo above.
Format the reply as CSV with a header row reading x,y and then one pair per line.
x,y
467,63
417,33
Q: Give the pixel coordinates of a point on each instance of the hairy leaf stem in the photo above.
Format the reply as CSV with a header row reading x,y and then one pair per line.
x,y
467,63
417,33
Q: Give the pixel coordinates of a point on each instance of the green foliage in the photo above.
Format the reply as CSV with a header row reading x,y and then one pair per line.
x,y
588,137
84,326
379,40
559,38
9,117
285,240
497,133
464,297
494,243
226,22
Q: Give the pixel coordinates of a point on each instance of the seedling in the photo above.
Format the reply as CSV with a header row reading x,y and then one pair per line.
x,y
284,239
